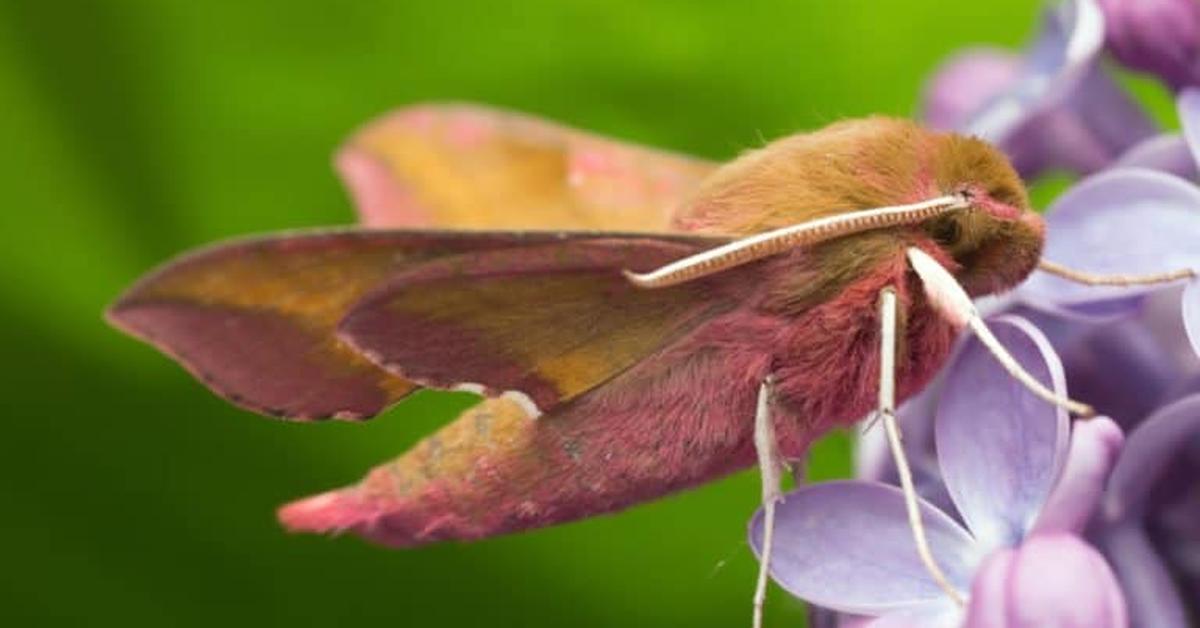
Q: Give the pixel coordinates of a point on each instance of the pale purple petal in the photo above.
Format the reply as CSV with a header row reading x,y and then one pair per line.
x,y
873,459
1149,589
1191,314
1095,444
1120,221
1059,580
1149,452
1001,448
1188,106
847,546
964,83
1168,153
1161,316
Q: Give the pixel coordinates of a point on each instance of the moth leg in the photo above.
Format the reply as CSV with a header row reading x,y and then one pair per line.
x,y
1092,279
952,302
771,467
887,414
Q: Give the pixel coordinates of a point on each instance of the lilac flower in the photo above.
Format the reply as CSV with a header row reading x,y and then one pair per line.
x,y
1129,369
1132,353
1053,107
1126,220
1152,504
1020,499
1161,37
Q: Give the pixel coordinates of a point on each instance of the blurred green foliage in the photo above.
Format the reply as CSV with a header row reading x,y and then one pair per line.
x,y
134,129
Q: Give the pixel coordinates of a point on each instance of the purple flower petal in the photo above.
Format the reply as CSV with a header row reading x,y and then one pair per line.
x,y
1149,452
1122,369
966,82
1059,580
989,601
873,459
1188,106
1105,311
1191,314
1161,316
1168,153
1149,590
1114,119
824,618
1157,36
1093,451
846,546
1098,123
1050,580
1000,447
1120,221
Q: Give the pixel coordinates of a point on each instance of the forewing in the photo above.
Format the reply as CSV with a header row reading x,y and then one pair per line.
x,y
255,319
549,322
438,165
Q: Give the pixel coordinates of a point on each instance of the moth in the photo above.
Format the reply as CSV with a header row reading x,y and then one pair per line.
x,y
638,322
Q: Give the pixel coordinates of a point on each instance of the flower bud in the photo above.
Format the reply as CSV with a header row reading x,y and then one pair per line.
x,y
1161,37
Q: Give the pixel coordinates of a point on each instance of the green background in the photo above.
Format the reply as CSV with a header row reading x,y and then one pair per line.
x,y
133,130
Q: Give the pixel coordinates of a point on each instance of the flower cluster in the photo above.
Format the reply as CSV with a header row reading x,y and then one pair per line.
x,y
1037,521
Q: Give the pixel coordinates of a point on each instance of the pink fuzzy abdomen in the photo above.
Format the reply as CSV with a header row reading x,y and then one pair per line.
x,y
828,363
681,418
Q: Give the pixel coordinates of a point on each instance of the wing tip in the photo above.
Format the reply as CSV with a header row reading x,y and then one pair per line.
x,y
332,512
117,315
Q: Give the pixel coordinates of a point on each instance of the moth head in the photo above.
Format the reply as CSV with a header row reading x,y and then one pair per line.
x,y
997,240
871,175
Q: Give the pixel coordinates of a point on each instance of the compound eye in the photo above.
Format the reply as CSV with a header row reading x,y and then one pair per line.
x,y
947,232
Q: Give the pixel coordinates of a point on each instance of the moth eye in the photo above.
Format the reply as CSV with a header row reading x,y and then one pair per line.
x,y
1004,194
947,232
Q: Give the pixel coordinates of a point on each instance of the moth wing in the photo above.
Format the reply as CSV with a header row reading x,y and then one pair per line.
x,y
549,322
437,165
255,319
